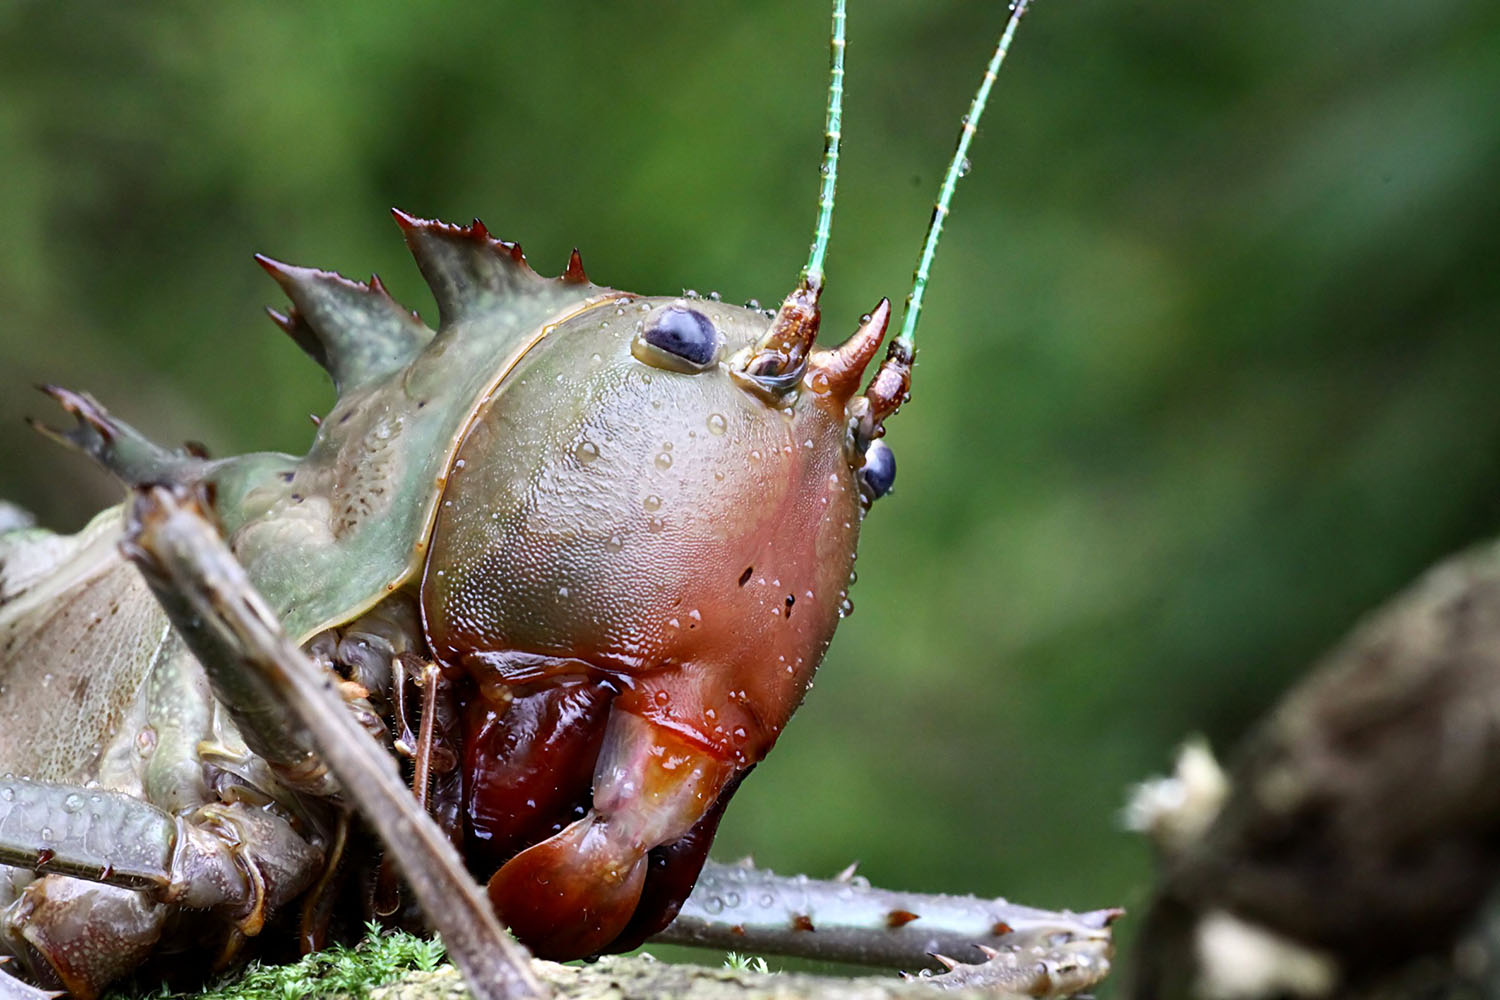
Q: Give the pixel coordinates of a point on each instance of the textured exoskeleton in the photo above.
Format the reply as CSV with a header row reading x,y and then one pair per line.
x,y
618,527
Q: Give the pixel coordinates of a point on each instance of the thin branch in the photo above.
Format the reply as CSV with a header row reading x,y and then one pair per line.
x,y
737,907
222,618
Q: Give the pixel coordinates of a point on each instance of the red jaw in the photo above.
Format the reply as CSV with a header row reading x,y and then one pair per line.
x,y
639,603
576,892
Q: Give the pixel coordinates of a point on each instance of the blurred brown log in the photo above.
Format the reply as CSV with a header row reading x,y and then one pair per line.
x,y
1361,827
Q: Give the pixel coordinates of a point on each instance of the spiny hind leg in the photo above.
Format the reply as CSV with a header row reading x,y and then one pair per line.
x,y
115,867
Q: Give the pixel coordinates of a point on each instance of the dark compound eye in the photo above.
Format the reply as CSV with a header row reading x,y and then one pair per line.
x,y
679,338
878,474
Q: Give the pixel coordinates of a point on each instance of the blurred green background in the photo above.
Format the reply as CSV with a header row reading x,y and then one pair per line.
x,y
1209,366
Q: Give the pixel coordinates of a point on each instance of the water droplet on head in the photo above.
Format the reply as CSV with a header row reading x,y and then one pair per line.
x,y
663,460
717,424
655,525
562,591
652,502
73,802
614,543
586,452
714,904
661,698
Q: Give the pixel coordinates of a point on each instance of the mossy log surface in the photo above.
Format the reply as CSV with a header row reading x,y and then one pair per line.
x,y
639,977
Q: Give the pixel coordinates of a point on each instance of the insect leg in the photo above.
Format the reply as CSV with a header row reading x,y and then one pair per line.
x,y
95,846
231,630
12,988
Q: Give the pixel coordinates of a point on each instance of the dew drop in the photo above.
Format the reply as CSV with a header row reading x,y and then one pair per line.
x,y
655,525
663,460
7,794
586,452
662,698
614,543
73,802
714,905
652,502
717,424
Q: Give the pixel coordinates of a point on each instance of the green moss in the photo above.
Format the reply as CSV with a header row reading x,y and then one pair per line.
x,y
745,963
341,969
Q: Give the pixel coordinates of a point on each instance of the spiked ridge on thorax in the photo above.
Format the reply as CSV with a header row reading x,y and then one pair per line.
x,y
328,535
359,506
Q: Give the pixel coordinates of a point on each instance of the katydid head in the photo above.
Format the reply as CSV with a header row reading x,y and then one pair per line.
x,y
641,554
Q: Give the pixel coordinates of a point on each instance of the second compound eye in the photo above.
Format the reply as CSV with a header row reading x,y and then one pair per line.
x,y
678,339
878,474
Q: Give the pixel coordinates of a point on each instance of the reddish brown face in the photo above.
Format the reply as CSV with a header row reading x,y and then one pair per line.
x,y
638,588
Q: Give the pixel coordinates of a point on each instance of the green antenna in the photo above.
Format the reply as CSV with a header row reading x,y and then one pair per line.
x,y
956,169
812,274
